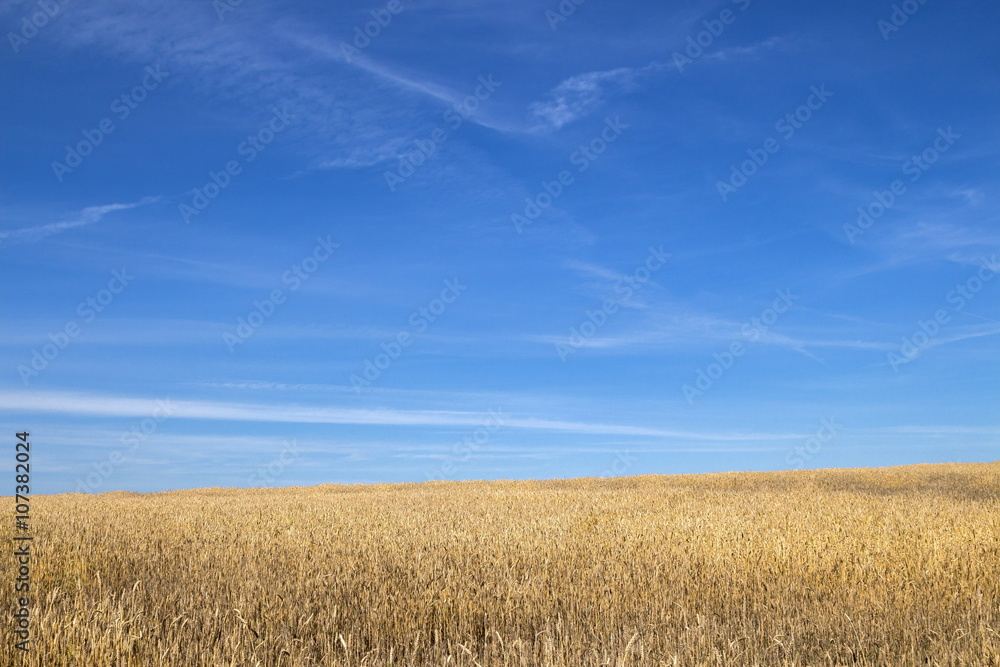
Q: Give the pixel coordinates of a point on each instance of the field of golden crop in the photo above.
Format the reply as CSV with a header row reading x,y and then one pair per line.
x,y
887,567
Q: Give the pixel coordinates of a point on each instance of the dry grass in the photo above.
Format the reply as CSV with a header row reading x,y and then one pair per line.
x,y
897,566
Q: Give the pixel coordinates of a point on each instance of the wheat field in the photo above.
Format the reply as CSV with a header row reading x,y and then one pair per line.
x,y
893,566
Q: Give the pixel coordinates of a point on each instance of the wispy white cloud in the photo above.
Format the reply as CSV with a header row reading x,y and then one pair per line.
x,y
975,332
929,234
73,403
409,82
802,344
964,244
88,216
972,196
934,430
245,60
183,331
320,45
674,327
594,270
748,51
580,94
604,283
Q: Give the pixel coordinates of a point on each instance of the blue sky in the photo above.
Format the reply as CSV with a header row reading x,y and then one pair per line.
x,y
246,244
